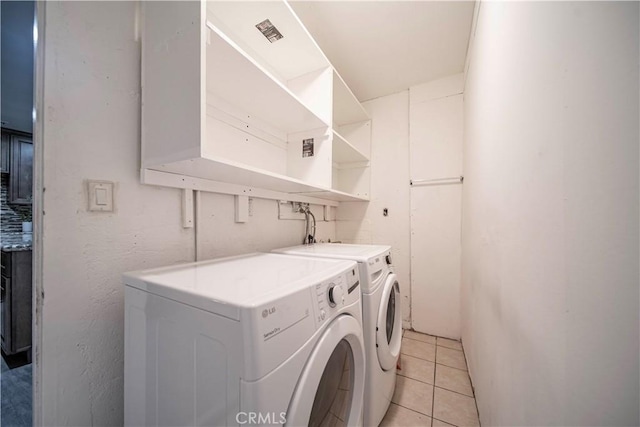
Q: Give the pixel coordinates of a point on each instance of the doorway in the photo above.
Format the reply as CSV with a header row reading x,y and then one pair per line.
x,y
16,225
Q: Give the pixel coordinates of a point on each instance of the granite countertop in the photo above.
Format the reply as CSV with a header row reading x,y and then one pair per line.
x,y
16,241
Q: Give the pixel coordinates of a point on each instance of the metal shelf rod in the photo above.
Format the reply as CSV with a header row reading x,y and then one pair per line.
x,y
437,181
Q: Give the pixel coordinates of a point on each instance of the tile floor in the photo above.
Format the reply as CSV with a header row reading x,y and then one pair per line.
x,y
433,387
15,393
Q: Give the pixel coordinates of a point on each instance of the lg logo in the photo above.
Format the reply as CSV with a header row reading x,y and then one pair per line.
x,y
268,311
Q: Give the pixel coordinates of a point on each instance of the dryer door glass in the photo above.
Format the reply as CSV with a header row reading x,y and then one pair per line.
x,y
391,313
333,398
389,325
330,390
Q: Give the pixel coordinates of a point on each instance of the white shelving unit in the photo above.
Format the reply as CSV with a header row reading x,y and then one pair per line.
x,y
345,152
350,172
220,102
346,107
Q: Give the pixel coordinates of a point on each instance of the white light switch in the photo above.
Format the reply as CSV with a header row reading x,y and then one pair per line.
x,y
100,196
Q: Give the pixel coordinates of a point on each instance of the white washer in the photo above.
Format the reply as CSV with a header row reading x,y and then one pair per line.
x,y
258,339
382,317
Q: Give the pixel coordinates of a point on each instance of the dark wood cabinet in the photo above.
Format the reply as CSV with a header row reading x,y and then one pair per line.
x,y
15,301
5,153
17,160
21,170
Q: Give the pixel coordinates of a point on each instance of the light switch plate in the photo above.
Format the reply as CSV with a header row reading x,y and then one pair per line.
x,y
100,196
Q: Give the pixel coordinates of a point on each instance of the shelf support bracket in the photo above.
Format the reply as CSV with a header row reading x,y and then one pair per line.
x,y
187,208
328,213
242,208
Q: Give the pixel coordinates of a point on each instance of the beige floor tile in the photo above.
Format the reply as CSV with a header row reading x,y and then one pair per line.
x,y
455,408
418,349
329,421
438,423
444,342
450,357
403,417
420,337
453,379
414,395
345,381
417,369
340,404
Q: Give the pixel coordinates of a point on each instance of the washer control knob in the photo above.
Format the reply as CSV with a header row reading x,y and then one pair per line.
x,y
388,259
336,295
323,314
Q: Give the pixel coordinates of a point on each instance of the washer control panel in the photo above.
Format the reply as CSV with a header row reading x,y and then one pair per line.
x,y
335,295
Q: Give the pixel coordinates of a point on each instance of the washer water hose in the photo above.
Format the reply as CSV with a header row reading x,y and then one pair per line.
x,y
309,230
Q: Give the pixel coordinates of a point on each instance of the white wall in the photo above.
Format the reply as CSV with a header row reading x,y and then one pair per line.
x,y
364,223
92,131
550,214
219,235
435,144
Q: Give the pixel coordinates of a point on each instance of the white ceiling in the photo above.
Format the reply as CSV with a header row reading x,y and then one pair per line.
x,y
383,47
379,47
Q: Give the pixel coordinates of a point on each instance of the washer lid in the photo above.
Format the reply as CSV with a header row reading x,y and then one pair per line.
x,y
226,285
360,253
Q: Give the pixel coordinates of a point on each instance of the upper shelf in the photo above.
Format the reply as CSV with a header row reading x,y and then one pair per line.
x,y
346,107
241,81
294,55
289,57
345,152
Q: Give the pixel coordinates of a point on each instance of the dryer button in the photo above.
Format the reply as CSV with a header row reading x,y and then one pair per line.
x,y
323,314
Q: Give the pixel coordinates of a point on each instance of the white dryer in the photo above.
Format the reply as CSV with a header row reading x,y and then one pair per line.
x,y
260,339
382,317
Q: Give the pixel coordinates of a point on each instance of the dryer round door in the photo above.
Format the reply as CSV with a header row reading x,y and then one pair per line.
x,y
389,326
330,389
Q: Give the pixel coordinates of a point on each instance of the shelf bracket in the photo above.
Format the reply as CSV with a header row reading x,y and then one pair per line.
x,y
328,213
187,208
242,208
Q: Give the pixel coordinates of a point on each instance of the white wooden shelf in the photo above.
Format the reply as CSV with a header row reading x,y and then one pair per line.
x,y
294,55
346,107
345,152
224,170
238,79
227,109
339,196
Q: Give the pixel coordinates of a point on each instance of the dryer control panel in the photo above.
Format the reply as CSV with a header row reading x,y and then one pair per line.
x,y
332,295
377,263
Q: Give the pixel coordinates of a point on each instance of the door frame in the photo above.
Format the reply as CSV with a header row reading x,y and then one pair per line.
x,y
38,209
